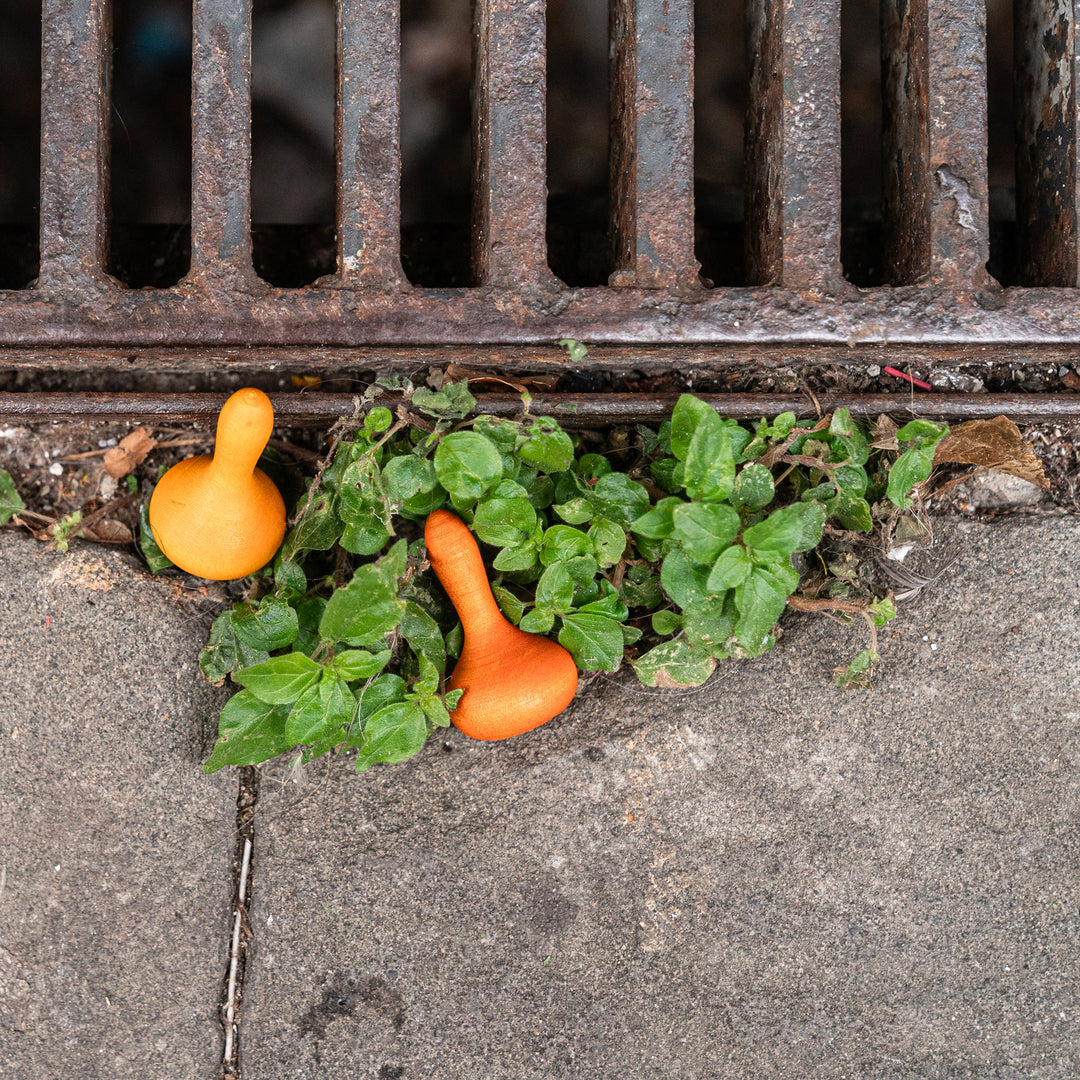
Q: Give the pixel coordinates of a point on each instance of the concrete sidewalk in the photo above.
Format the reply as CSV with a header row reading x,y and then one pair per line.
x,y
766,877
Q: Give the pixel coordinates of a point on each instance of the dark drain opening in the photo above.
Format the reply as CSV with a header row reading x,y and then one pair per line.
x,y
150,143
292,141
436,141
720,100
577,141
861,147
20,123
1001,148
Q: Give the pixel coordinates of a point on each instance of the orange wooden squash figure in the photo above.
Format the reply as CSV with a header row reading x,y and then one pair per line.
x,y
513,681
217,515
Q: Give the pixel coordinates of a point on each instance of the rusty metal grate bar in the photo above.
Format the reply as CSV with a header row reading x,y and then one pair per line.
x,y
652,155
368,145
936,204
1046,175
509,135
959,204
572,410
221,144
74,187
793,217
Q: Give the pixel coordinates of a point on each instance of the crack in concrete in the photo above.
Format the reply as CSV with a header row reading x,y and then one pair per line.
x,y
233,982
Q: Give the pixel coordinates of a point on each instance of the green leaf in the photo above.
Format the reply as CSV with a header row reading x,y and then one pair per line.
x,y
576,511
583,570
760,601
705,529
657,523
732,567
912,467
688,413
782,425
665,622
504,522
619,498
709,472
674,664
923,430
685,581
324,711
422,632
11,503
503,433
754,487
641,587
362,612
608,604
789,529
512,559
271,624
360,489
393,734
667,473
427,502
309,614
590,466
427,680
508,603
467,464
225,652
385,690
541,492
537,621
156,559
394,563
317,530
355,664
436,711
882,611
249,731
555,589
407,475
378,419
857,674
547,446
609,541
594,641
841,423
365,533
563,542
452,402
851,478
289,579
281,679
709,623
575,348
851,511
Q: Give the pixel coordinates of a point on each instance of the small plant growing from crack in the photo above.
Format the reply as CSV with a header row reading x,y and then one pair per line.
x,y
673,552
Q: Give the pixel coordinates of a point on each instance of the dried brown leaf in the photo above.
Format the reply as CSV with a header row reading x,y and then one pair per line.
x,y
108,531
884,434
129,453
991,444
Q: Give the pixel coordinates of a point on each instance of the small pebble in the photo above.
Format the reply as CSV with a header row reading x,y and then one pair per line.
x,y
874,370
56,469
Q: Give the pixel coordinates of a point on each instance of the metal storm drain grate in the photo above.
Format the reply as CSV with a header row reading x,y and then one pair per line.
x,y
935,303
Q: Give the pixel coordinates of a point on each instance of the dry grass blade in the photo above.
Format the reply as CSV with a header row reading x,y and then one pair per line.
x,y
911,582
